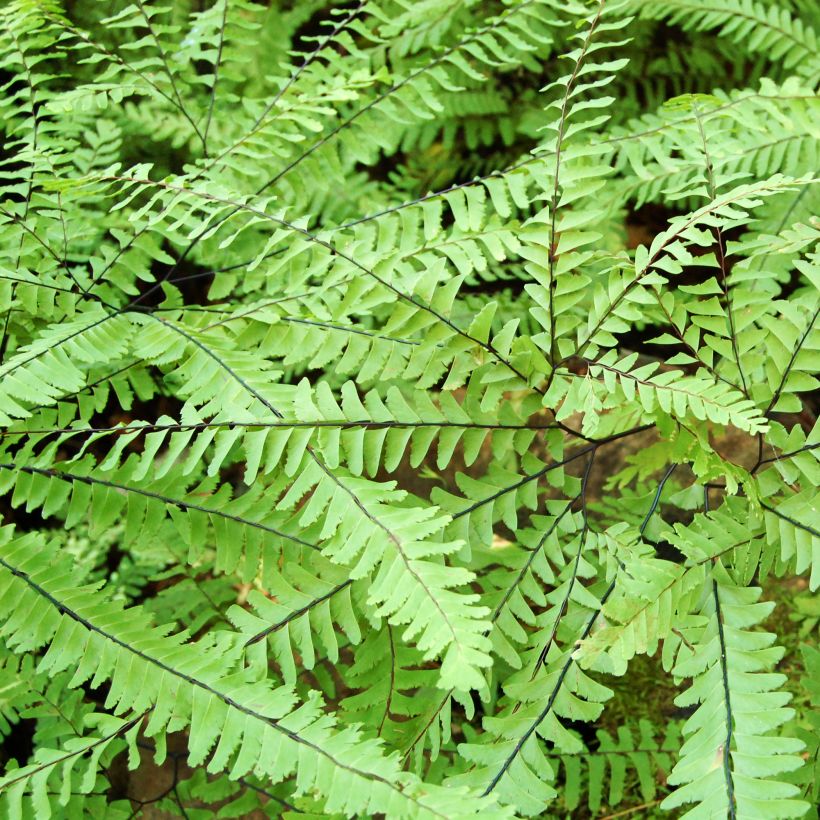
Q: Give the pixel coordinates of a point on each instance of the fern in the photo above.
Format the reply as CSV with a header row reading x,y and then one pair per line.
x,y
378,383
738,711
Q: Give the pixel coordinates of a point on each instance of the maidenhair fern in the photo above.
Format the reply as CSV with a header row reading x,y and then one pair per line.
x,y
407,408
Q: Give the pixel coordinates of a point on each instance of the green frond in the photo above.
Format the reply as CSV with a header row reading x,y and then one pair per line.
x,y
754,26
730,760
379,381
158,678
605,772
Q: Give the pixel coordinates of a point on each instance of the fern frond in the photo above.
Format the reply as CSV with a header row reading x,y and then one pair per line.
x,y
730,760
603,773
752,25
386,365
232,722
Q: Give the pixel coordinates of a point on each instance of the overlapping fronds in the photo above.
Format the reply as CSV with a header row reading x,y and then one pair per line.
x,y
379,382
233,721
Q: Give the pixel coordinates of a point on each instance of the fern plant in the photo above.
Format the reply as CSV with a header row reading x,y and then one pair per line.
x,y
400,402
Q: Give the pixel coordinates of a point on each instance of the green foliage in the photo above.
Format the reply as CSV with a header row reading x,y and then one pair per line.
x,y
379,383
